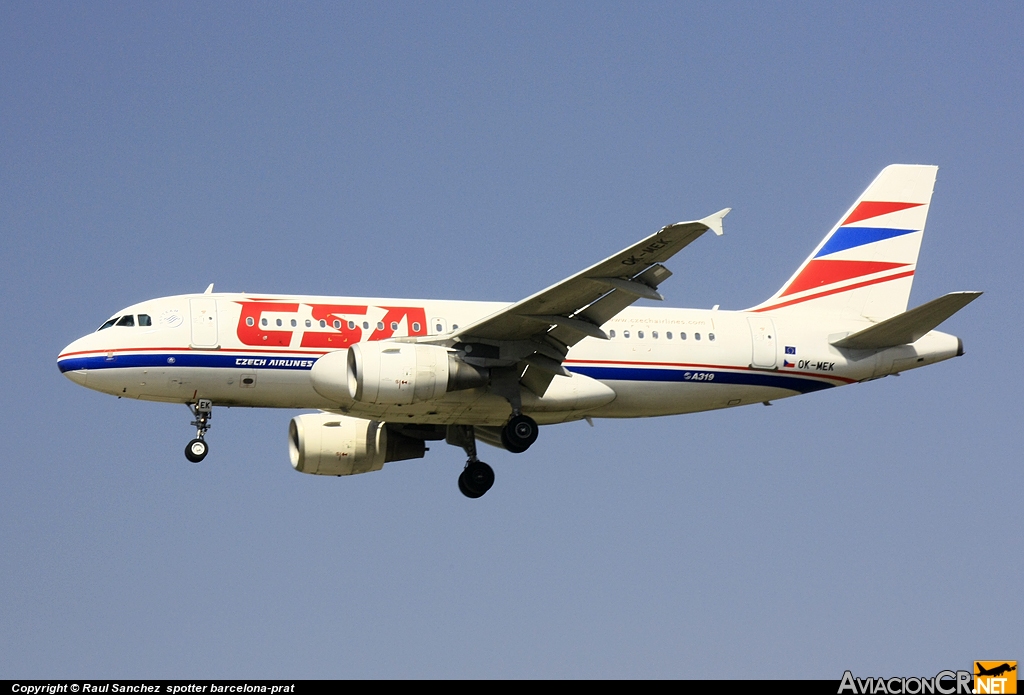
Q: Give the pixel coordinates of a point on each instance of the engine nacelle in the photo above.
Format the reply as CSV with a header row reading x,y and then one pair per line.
x,y
389,373
327,444
397,373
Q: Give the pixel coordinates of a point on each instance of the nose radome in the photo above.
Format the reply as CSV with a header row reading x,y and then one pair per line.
x,y
67,365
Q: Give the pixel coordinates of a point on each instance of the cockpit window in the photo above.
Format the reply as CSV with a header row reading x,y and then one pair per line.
x,y
126,320
144,320
108,324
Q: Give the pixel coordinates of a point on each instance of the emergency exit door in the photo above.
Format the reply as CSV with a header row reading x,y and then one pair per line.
x,y
763,341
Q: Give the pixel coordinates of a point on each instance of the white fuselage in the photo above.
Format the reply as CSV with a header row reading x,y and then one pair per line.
x,y
258,351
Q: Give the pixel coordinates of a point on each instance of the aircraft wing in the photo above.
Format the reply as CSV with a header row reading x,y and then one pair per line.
x,y
575,308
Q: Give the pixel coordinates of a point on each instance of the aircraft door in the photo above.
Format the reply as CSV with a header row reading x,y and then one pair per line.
x,y
204,323
437,327
763,339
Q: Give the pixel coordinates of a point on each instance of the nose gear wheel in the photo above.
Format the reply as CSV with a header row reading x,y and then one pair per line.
x,y
197,449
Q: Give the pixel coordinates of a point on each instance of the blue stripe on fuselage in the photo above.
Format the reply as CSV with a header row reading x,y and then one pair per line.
x,y
791,383
603,373
187,359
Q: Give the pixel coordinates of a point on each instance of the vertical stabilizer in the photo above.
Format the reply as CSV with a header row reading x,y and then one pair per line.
x,y
864,267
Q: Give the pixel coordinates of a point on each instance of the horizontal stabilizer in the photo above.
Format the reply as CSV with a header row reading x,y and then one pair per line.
x,y
909,326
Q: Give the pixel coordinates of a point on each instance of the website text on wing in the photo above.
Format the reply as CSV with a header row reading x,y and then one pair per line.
x,y
389,375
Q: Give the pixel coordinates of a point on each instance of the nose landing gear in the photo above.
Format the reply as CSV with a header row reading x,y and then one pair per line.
x,y
196,450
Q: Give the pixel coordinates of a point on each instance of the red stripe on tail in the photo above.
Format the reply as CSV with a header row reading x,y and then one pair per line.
x,y
819,272
868,209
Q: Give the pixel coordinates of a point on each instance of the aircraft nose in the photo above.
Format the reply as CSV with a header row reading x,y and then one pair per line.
x,y
71,366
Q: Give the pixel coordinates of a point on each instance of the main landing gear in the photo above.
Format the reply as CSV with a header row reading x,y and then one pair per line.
x,y
197,449
521,430
519,433
477,477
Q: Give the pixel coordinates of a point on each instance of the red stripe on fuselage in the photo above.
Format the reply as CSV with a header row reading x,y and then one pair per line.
x,y
248,351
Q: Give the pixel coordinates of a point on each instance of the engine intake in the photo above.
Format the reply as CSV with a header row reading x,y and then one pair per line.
x,y
327,444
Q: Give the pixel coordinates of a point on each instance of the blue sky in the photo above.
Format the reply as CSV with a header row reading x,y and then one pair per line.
x,y
484,151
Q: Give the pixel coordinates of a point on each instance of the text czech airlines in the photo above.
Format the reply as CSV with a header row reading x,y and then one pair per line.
x,y
272,362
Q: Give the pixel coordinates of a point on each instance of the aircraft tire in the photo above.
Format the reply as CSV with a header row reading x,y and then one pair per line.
x,y
476,479
519,433
196,450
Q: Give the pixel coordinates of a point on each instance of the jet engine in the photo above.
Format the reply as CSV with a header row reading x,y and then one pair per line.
x,y
387,373
327,444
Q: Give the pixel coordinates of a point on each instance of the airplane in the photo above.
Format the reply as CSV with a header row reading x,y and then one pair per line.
x,y
387,376
995,671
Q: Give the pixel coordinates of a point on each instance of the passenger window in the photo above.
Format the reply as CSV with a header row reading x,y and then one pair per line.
x,y
127,320
380,325
263,322
366,325
279,322
711,337
144,320
625,334
696,336
455,326
250,321
640,334
337,324
668,335
654,334
108,324
394,326
323,324
682,336
611,334
294,323
351,325
416,327
438,328
309,323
